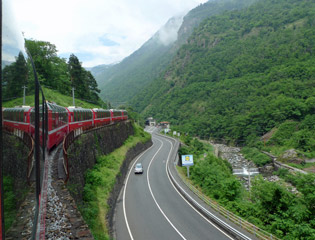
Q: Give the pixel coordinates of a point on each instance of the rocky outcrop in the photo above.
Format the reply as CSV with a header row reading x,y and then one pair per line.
x,y
291,156
233,156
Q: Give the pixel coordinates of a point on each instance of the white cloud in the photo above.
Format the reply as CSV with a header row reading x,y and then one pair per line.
x,y
79,26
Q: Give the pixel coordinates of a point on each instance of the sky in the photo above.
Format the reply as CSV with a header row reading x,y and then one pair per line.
x,y
96,31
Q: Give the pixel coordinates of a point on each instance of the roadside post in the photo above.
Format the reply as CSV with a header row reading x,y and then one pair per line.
x,y
187,161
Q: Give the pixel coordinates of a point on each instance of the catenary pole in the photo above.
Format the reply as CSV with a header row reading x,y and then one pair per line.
x,y
2,233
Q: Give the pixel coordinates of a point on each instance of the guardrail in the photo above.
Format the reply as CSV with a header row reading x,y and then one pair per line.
x,y
249,227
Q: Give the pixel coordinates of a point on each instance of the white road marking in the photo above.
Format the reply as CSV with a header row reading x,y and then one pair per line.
x,y
153,194
124,195
187,194
148,180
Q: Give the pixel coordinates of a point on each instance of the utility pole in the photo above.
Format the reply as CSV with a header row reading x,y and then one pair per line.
x,y
73,96
24,87
2,233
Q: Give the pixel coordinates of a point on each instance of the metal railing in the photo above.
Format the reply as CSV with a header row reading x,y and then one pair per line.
x,y
28,142
66,143
68,140
249,227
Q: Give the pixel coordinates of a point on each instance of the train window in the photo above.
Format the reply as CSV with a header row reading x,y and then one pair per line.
x,y
53,120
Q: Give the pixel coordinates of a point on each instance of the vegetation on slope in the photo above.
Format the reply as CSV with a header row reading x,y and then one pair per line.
x,y
100,181
269,205
53,96
9,201
241,74
52,71
123,81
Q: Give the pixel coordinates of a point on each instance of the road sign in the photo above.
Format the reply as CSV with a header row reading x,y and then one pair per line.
x,y
187,160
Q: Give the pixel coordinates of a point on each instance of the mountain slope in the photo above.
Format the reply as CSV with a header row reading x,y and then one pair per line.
x,y
121,82
241,73
53,96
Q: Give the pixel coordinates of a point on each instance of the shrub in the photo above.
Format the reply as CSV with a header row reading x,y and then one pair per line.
x,y
283,133
256,156
9,201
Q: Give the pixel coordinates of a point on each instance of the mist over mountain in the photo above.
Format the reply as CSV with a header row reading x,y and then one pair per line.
x,y
123,81
240,74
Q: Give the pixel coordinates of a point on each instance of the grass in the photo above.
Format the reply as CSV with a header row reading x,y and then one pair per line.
x,y
9,202
100,181
53,96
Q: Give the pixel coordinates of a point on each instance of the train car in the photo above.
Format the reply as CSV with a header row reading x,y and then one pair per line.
x,y
124,115
58,124
80,119
116,115
101,117
17,119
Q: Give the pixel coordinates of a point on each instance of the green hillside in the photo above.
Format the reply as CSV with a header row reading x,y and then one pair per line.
x,y
123,81
241,74
52,96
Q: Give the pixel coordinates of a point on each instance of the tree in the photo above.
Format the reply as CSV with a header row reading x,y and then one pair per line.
x,y
83,81
77,76
15,76
93,87
51,70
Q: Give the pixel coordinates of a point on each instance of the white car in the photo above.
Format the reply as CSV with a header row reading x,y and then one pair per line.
x,y
138,168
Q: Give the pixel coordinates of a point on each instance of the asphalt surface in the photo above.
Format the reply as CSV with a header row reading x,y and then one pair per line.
x,y
149,207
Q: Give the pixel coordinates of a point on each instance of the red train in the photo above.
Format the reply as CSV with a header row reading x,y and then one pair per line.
x,y
61,120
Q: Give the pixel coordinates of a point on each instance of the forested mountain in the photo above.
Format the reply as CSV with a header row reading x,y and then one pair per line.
x,y
241,74
124,80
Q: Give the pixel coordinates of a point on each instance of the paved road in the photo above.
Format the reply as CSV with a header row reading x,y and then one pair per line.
x,y
150,208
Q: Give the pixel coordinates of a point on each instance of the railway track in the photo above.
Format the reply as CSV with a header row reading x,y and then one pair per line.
x,y
59,217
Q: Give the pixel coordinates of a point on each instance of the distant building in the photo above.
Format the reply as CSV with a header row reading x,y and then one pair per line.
x,y
165,125
150,122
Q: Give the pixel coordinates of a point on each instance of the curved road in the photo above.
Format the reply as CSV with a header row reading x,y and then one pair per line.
x,y
149,207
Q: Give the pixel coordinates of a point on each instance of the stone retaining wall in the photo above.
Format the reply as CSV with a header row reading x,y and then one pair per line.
x,y
83,152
